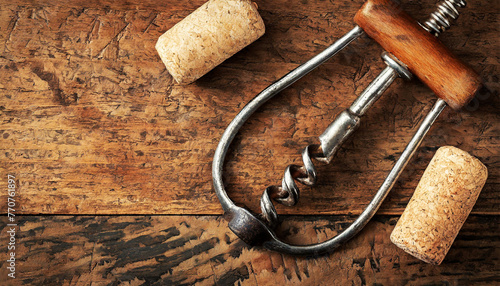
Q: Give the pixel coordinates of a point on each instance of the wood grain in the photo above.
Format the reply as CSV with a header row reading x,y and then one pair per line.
x,y
91,123
426,57
200,250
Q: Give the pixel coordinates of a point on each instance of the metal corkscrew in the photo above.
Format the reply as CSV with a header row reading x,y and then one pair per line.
x,y
410,49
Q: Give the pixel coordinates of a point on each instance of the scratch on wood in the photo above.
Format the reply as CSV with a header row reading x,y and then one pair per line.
x,y
45,17
92,257
12,25
95,22
116,38
150,23
213,272
253,274
90,264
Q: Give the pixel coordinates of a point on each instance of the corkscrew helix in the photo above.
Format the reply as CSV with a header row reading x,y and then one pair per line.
x,y
439,20
410,49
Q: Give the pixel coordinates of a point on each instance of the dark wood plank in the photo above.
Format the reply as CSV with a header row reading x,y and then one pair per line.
x,y
176,250
91,123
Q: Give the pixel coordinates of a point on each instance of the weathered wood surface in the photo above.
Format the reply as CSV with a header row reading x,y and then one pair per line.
x,y
176,250
91,123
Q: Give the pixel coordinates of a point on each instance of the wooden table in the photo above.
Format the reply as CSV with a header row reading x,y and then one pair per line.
x,y
112,159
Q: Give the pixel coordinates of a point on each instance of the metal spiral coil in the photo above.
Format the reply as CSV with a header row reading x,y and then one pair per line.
x,y
288,193
439,20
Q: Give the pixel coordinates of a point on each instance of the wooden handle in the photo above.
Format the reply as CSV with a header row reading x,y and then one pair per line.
x,y
425,56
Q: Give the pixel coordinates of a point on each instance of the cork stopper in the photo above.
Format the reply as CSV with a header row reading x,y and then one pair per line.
x,y
208,36
440,205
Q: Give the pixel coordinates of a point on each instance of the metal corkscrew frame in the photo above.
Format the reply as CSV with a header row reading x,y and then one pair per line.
x,y
288,193
258,229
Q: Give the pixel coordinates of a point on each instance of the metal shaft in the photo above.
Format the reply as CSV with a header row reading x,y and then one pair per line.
x,y
348,121
373,92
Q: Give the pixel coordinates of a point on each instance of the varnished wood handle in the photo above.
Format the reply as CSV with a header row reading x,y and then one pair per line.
x,y
425,56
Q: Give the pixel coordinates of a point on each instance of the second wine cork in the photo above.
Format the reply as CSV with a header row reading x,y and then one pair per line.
x,y
440,205
208,36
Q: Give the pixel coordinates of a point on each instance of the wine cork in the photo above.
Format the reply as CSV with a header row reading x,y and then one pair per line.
x,y
208,36
440,205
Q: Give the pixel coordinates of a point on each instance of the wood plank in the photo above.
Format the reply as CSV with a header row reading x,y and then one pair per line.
x,y
91,123
200,250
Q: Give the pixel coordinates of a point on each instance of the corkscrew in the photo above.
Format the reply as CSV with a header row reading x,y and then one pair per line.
x,y
411,49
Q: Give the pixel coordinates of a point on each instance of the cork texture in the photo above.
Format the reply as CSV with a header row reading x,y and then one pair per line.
x,y
208,36
440,205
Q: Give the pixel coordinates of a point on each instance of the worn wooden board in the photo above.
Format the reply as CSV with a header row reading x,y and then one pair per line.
x,y
176,250
93,124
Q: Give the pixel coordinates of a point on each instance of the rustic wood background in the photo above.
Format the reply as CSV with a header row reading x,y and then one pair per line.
x,y
94,128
